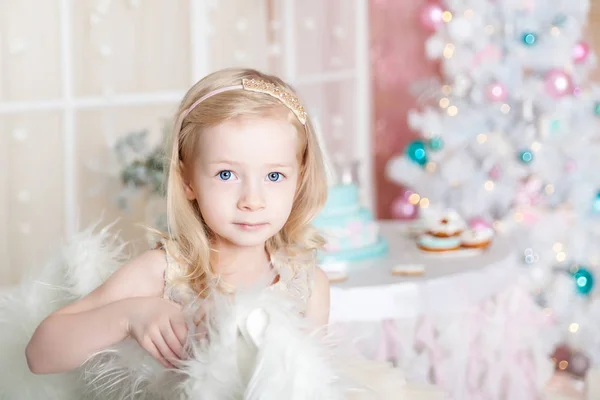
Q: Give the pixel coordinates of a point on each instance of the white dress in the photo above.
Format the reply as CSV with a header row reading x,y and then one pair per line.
x,y
360,379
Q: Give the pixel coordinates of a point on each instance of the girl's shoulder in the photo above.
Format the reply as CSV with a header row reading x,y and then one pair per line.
x,y
146,270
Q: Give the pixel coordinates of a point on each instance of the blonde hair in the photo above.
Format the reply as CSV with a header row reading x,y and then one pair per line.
x,y
187,230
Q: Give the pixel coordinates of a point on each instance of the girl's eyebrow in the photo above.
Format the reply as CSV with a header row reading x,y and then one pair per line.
x,y
271,165
278,165
224,162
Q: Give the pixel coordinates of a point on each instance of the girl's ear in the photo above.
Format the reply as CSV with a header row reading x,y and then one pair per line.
x,y
187,188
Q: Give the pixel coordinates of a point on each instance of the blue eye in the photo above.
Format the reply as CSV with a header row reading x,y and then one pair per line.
x,y
275,176
225,175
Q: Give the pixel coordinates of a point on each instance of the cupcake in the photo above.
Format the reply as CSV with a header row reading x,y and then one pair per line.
x,y
431,243
477,238
449,224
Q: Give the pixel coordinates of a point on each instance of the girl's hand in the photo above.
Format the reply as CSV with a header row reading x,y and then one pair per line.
x,y
159,327
200,321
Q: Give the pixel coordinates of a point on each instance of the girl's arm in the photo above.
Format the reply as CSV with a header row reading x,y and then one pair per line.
x,y
318,305
69,336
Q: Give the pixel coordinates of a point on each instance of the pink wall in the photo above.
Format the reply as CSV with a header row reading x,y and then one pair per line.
x,y
397,60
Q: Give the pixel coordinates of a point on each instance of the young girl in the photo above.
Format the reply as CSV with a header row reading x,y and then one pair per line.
x,y
245,180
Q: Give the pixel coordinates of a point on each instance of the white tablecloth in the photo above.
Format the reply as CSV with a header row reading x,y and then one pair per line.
x,y
467,324
451,282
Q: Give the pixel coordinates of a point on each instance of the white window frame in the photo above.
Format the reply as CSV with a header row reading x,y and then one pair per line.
x,y
69,104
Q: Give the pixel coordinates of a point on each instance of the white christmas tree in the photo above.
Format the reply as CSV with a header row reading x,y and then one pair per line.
x,y
511,136
513,123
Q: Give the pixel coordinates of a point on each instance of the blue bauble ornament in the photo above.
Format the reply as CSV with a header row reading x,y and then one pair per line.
x,y
584,281
529,38
416,152
597,108
596,204
526,156
436,143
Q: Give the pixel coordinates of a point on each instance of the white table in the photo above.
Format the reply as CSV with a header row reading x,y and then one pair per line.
x,y
468,322
451,282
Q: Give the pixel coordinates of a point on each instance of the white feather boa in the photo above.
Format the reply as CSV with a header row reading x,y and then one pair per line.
x,y
82,265
255,347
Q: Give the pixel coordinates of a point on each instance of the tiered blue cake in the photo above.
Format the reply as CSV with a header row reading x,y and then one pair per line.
x,y
350,230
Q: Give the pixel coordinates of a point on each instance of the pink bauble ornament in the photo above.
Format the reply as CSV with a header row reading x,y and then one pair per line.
x,y
581,51
579,365
558,83
496,92
571,166
489,55
403,209
494,172
479,223
431,16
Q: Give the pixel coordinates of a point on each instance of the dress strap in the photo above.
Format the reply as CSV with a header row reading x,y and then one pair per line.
x,y
176,287
296,277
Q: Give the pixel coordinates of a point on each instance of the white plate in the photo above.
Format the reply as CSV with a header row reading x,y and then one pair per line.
x,y
452,253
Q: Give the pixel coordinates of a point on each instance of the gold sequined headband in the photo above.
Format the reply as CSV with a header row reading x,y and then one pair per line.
x,y
259,86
